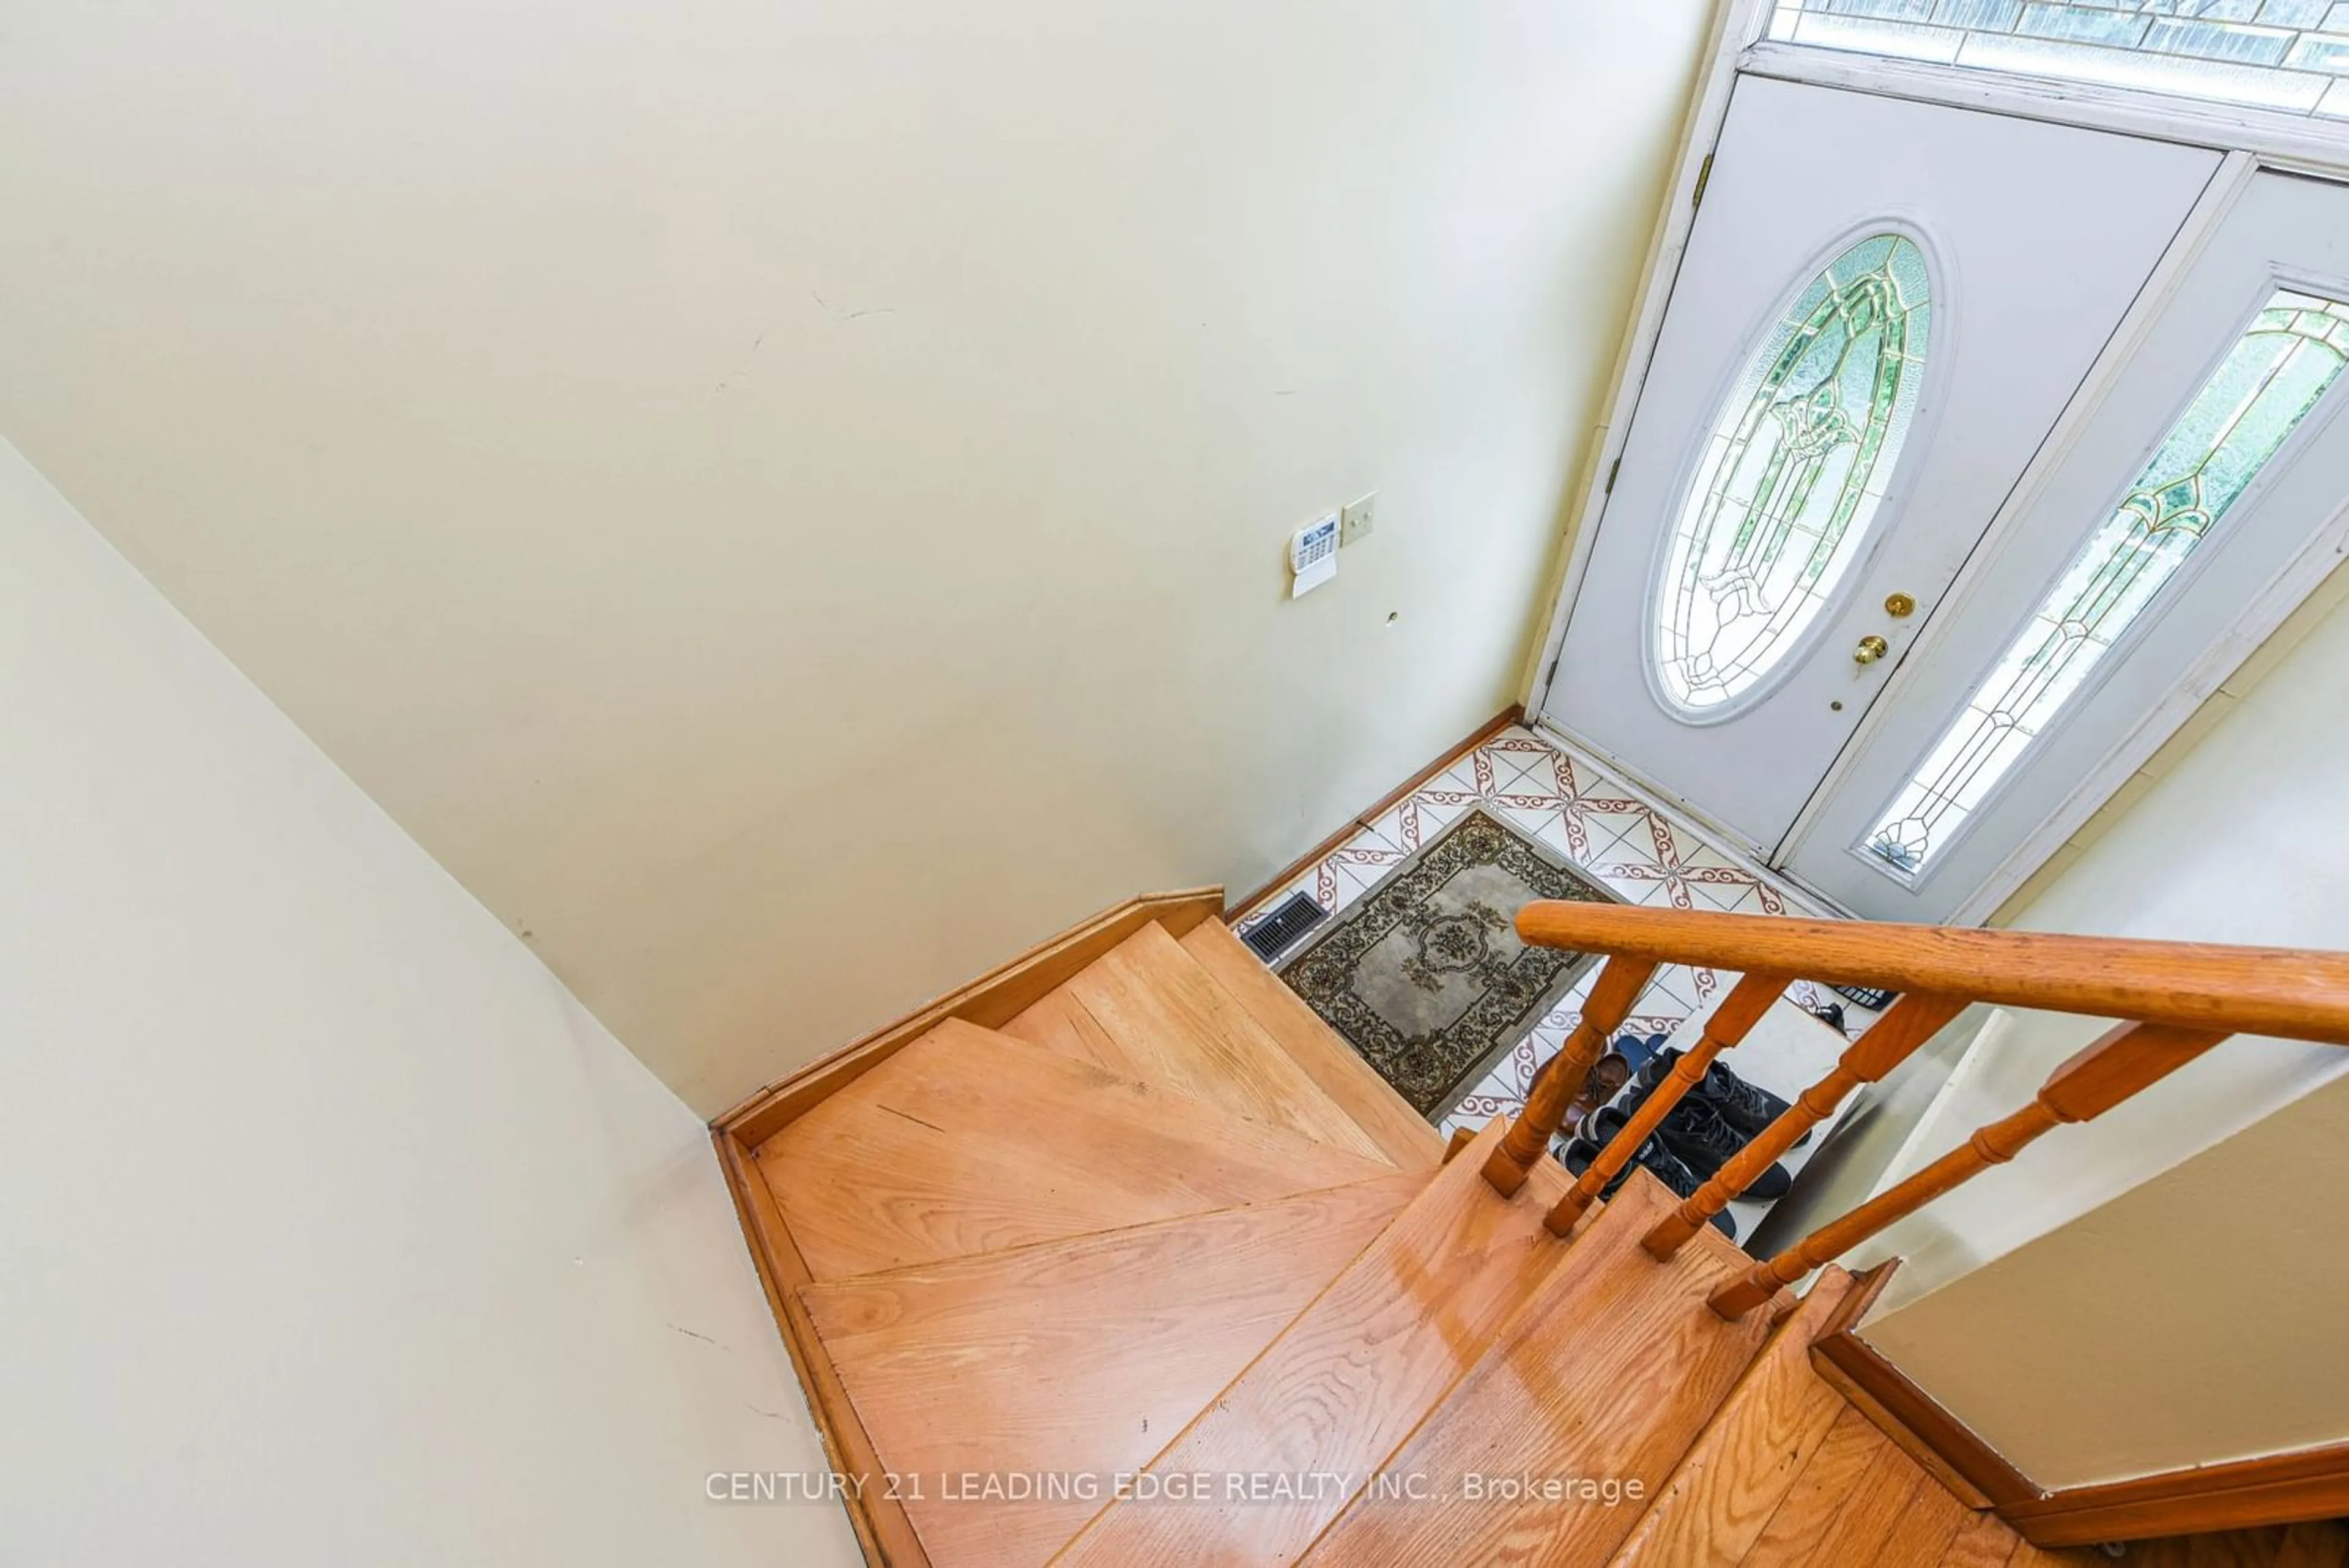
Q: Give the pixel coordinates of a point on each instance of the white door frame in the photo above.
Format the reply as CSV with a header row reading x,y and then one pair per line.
x,y
2253,139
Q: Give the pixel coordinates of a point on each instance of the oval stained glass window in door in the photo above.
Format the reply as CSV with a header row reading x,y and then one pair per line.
x,y
1790,476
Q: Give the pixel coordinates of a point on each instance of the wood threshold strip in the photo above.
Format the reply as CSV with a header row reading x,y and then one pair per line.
x,y
1513,714
2277,1488
991,1001
2294,992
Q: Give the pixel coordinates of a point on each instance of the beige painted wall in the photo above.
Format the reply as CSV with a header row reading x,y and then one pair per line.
x,y
336,1230
2193,1320
2119,1329
787,502
2236,835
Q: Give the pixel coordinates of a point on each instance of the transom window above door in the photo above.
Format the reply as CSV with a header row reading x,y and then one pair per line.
x,y
2281,55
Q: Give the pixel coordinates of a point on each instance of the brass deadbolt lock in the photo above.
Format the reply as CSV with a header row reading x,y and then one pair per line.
x,y
1899,605
1870,649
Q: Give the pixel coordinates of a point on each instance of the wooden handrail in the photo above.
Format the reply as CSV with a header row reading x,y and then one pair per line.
x,y
2288,991
2126,1059
2178,999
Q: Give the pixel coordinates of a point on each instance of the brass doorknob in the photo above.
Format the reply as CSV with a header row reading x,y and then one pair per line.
x,y
1870,649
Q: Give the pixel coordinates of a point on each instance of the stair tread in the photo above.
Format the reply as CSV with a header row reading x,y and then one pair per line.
x,y
1183,1032
1406,1136
1058,1022
1609,1372
1980,1541
970,1141
1718,1500
1031,1362
1346,1382
1844,1505
1923,1531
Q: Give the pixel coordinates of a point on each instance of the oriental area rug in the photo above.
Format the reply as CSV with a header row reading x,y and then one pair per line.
x,y
1423,974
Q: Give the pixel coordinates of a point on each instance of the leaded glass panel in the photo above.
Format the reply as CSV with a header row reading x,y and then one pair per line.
x,y
2283,364
1790,474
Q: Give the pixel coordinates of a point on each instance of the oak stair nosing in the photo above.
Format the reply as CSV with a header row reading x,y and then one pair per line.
x,y
1406,1136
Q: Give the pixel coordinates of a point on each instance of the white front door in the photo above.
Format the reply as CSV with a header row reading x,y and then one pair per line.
x,y
2208,473
1883,308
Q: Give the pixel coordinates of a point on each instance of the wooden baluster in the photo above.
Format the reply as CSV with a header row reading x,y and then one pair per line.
x,y
1561,1078
2124,1061
1738,1012
1909,1023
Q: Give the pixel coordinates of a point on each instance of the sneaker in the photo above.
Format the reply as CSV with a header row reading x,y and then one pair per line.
x,y
1600,1128
1578,1155
1745,1107
1699,1135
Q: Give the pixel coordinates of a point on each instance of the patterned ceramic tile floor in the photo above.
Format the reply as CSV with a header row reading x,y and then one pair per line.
x,y
1603,826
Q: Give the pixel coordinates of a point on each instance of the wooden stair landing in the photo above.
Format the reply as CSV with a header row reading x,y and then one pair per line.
x,y
1163,1221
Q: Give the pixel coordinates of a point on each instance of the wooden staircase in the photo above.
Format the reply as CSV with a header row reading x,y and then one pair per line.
x,y
1125,1258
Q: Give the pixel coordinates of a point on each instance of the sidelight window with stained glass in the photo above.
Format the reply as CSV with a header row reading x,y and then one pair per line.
x,y
1790,474
2266,385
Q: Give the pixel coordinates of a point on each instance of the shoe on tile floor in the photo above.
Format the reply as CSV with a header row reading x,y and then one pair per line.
x,y
1608,1076
1639,1049
1695,1136
1578,1155
1705,1141
1748,1108
1600,1128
